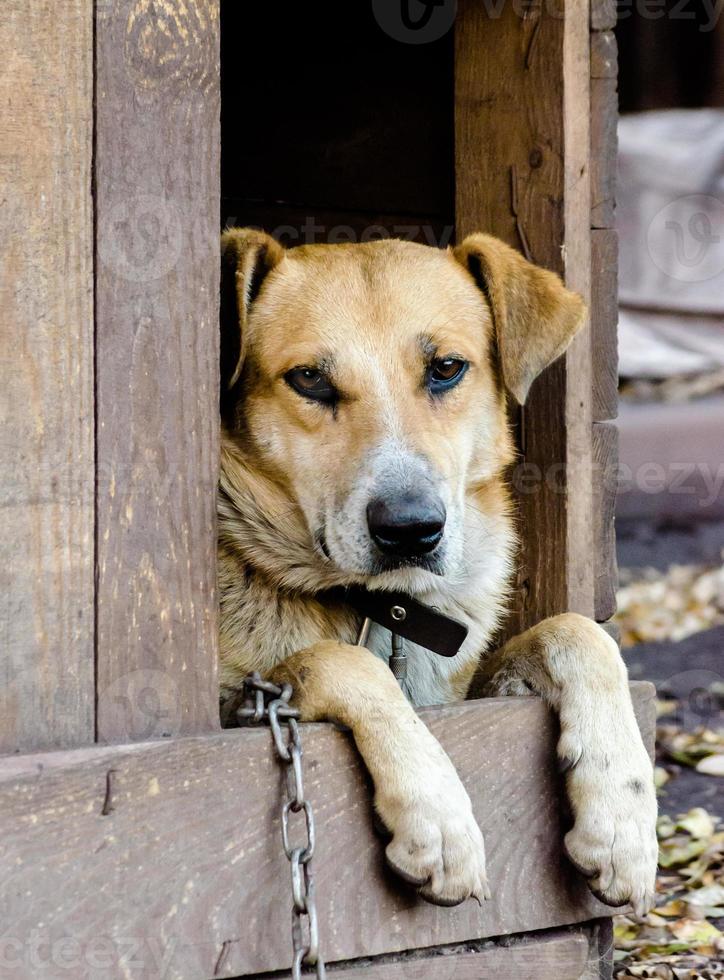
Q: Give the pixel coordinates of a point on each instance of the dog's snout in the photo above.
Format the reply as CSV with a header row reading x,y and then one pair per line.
x,y
407,525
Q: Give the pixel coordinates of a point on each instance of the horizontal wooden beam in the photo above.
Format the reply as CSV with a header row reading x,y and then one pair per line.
x,y
560,956
171,850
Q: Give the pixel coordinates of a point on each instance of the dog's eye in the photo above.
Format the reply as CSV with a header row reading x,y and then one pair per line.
x,y
446,372
312,384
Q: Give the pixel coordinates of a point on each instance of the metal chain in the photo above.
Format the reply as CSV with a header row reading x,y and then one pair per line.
x,y
267,702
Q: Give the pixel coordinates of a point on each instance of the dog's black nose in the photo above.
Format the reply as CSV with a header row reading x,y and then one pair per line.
x,y
406,526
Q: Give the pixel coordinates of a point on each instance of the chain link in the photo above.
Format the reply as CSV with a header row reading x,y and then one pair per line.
x,y
267,702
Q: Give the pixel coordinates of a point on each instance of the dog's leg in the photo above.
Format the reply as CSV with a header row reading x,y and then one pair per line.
x,y
436,843
577,668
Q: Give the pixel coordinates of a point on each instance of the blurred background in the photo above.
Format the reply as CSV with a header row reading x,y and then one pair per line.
x,y
670,509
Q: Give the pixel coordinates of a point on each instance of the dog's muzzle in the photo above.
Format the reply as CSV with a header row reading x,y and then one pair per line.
x,y
406,526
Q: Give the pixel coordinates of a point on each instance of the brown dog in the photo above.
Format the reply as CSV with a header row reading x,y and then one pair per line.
x,y
365,443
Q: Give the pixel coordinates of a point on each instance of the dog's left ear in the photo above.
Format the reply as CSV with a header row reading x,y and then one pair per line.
x,y
535,316
247,257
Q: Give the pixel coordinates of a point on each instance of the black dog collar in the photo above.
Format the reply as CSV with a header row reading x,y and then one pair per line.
x,y
406,617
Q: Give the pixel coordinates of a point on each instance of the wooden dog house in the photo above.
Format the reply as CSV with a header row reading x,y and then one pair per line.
x,y
138,840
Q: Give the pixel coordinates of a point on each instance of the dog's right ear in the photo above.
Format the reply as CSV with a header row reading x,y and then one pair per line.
x,y
535,316
247,257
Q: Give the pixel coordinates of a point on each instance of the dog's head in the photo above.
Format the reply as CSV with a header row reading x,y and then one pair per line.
x,y
369,382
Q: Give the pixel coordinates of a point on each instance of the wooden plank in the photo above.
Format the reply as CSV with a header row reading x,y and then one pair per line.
x,y
604,323
176,844
613,630
551,957
603,15
46,299
605,456
522,111
604,55
604,305
157,180
604,120
576,254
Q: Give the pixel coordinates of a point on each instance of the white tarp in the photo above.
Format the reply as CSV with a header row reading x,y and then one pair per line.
x,y
670,219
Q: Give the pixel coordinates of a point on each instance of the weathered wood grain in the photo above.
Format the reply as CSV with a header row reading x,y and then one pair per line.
x,y
187,862
551,957
604,55
603,15
604,323
605,457
576,254
157,185
46,299
522,114
604,302
604,120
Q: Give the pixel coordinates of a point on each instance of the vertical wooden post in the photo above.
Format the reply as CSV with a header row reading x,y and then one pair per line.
x,y
46,299
604,301
157,210
523,173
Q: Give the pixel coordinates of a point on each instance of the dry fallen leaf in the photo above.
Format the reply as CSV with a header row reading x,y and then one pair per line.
x,y
691,748
712,765
669,605
681,938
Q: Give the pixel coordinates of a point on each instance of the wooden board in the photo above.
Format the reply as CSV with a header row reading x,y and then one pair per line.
x,y
604,55
604,323
604,304
175,845
157,181
46,319
603,15
522,111
561,956
604,120
605,457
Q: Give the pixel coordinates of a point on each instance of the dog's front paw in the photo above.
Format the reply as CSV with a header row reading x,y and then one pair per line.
x,y
437,845
613,840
